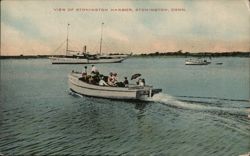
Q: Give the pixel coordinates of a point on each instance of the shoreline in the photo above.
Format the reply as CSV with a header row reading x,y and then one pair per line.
x,y
156,54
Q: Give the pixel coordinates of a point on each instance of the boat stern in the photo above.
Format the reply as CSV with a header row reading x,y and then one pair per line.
x,y
155,91
147,92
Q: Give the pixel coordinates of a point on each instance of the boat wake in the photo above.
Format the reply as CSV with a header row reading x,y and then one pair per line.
x,y
212,99
202,104
194,105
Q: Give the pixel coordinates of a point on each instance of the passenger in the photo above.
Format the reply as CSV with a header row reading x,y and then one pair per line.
x,y
95,75
116,82
115,78
91,80
96,78
84,76
125,82
105,78
139,80
141,83
87,78
110,79
94,70
102,82
85,70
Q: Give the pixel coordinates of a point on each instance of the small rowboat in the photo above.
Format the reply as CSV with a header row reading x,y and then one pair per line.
x,y
132,92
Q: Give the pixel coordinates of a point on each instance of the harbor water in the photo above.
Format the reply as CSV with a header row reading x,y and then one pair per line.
x,y
203,110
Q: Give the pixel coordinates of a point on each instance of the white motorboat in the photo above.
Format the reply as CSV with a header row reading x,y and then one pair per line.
x,y
197,62
74,57
131,92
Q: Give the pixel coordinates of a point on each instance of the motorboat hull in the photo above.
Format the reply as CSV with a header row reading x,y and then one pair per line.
x,y
197,62
132,92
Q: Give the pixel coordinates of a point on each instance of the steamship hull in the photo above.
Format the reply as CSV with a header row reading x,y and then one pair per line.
x,y
77,60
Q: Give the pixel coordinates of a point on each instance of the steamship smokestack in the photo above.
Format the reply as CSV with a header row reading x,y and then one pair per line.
x,y
85,49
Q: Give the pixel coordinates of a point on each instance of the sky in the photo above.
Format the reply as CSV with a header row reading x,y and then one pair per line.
x,y
36,27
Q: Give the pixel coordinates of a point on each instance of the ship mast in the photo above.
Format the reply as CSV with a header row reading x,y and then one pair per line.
x,y
67,45
101,39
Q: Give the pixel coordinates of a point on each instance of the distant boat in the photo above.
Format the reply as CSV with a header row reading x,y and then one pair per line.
x,y
219,63
84,57
197,62
132,92
88,59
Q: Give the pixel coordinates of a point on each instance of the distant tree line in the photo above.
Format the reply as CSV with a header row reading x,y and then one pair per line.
x,y
200,54
177,53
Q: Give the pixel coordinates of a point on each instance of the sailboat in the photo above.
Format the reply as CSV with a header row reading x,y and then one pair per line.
x,y
84,57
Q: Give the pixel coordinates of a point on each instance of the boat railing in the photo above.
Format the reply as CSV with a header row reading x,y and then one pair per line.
x,y
134,86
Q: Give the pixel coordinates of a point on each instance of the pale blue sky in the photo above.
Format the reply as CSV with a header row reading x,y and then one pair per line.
x,y
33,27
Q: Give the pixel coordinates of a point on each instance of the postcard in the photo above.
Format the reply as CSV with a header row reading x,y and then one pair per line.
x,y
128,77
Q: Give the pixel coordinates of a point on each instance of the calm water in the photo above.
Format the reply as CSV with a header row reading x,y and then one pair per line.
x,y
202,110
